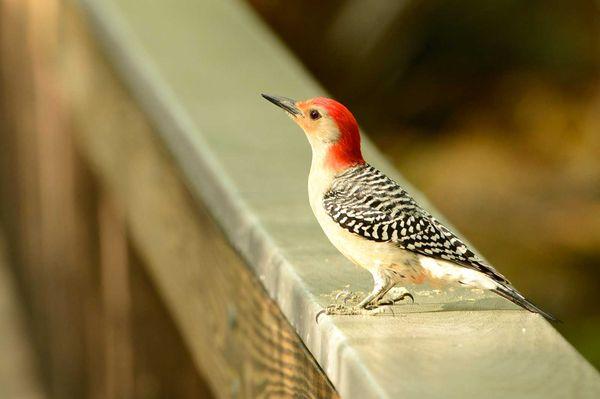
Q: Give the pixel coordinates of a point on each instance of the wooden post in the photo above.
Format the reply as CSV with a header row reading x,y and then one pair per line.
x,y
114,281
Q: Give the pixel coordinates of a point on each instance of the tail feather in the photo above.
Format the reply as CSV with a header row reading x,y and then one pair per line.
x,y
515,297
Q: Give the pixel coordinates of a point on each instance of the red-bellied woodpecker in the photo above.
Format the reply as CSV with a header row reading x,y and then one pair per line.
x,y
373,221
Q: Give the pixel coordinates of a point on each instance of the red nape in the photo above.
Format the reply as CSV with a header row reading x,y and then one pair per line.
x,y
346,151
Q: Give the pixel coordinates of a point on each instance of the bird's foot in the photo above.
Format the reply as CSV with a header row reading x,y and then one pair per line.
x,y
345,297
347,302
346,310
395,295
338,309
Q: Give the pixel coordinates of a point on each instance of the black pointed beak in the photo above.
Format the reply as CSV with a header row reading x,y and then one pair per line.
x,y
283,102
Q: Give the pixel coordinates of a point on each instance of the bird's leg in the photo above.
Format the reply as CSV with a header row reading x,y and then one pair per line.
x,y
382,286
393,274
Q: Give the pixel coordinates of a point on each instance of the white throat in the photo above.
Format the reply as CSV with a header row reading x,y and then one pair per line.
x,y
321,176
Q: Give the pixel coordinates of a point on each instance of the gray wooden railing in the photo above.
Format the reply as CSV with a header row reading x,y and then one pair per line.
x,y
205,184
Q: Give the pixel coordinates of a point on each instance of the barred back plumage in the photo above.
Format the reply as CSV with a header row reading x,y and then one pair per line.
x,y
365,202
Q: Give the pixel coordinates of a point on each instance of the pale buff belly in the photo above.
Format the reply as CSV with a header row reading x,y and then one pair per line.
x,y
376,257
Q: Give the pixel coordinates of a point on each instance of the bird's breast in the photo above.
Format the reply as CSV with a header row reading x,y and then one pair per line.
x,y
361,251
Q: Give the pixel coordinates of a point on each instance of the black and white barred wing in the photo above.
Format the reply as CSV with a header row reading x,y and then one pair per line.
x,y
365,202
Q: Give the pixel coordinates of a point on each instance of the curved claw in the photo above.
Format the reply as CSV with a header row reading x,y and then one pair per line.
x,y
322,311
407,294
397,299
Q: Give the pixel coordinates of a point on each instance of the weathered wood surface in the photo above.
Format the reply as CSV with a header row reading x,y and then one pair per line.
x,y
236,334
197,69
48,229
19,374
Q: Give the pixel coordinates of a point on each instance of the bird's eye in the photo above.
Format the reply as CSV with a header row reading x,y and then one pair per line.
x,y
314,114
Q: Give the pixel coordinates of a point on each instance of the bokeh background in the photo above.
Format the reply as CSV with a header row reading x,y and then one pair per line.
x,y
492,109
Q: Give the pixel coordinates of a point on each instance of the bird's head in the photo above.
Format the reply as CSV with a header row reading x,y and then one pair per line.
x,y
330,127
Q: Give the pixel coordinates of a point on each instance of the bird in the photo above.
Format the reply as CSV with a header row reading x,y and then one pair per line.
x,y
376,223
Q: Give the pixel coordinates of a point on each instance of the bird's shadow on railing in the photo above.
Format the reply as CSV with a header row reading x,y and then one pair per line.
x,y
478,304
471,305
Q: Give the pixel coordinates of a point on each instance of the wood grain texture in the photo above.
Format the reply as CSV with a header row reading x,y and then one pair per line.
x,y
163,367
114,282
19,374
237,335
40,206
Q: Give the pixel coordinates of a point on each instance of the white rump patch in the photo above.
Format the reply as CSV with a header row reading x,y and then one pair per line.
x,y
448,271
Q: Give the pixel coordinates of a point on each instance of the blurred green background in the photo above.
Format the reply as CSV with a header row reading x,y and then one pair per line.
x,y
492,109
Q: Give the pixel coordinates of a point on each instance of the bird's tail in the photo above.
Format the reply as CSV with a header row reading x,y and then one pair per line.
x,y
515,297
